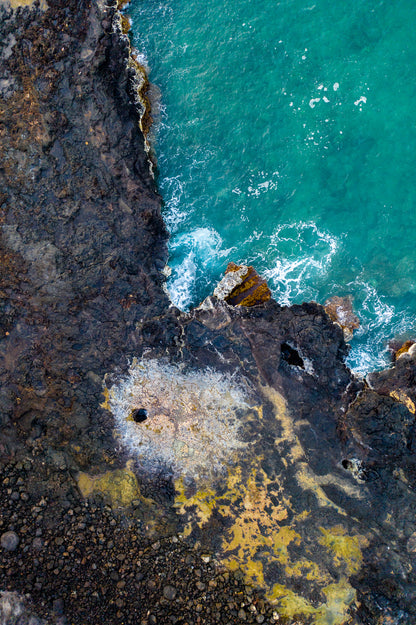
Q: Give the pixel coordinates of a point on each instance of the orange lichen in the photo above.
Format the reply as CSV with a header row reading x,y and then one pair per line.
x,y
244,288
403,349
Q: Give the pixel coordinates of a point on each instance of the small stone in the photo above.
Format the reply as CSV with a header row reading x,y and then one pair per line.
x,y
411,543
9,541
260,618
200,585
58,607
242,615
169,592
37,543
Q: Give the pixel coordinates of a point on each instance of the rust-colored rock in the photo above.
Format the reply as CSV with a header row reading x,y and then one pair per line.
x,y
404,348
339,310
242,286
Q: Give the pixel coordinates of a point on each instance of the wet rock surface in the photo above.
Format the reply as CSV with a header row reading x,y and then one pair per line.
x,y
311,519
242,286
340,311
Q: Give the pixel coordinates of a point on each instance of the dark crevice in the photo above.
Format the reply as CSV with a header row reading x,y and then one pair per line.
x,y
139,415
291,356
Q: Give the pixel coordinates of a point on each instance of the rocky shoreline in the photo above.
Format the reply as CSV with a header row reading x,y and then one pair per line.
x,y
275,487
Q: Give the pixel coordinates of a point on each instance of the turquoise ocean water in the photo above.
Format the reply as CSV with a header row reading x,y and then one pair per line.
x,y
285,135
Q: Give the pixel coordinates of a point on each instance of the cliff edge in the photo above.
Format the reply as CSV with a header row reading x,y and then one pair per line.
x,y
221,466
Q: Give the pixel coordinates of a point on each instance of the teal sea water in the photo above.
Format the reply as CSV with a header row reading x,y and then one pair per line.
x,y
285,135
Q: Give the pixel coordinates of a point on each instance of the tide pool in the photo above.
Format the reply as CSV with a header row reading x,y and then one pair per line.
x,y
285,134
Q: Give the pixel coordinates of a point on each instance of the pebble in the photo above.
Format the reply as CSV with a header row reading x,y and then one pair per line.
x,y
169,592
37,543
9,541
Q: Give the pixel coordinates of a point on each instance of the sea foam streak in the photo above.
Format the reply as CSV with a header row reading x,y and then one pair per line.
x,y
369,348
194,254
299,255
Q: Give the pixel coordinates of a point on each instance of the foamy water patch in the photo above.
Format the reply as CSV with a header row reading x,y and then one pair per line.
x,y
172,191
300,256
192,423
369,348
194,255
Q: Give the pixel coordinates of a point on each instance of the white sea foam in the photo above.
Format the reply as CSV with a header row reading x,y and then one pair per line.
x,y
369,347
182,284
195,254
172,191
298,254
259,184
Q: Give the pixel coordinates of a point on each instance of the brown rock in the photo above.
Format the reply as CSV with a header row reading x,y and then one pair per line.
x,y
339,310
242,286
403,349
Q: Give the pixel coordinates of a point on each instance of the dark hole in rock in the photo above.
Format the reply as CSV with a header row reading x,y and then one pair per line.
x,y
139,415
291,356
346,464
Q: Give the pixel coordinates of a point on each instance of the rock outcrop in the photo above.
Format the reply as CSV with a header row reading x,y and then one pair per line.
x,y
242,286
262,449
340,311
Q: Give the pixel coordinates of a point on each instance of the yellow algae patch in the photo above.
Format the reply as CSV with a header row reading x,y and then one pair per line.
x,y
345,550
288,434
281,540
251,502
119,487
339,598
201,504
290,604
257,538
106,403
401,396
23,3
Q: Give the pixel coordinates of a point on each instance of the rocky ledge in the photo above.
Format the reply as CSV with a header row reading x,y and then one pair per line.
x,y
221,466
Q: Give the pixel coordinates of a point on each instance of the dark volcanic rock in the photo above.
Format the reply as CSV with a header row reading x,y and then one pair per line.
x,y
82,235
310,497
